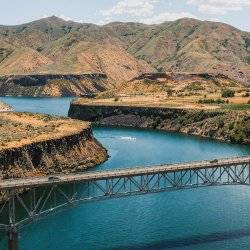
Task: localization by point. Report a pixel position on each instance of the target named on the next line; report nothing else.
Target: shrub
(238, 134)
(161, 70)
(195, 86)
(208, 101)
(170, 92)
(246, 94)
(227, 93)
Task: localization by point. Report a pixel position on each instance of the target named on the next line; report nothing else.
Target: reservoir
(196, 219)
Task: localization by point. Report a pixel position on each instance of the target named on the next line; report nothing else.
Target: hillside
(176, 84)
(54, 85)
(125, 50)
(189, 45)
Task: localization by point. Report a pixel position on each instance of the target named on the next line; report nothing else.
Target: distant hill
(123, 51)
(54, 85)
(178, 84)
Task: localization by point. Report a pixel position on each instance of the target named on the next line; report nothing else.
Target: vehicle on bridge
(214, 161)
(53, 178)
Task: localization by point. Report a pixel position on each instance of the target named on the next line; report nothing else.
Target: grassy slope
(191, 45)
(184, 45)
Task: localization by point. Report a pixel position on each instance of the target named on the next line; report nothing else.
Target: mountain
(123, 51)
(52, 45)
(189, 45)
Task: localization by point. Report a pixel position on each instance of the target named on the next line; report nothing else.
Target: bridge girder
(37, 202)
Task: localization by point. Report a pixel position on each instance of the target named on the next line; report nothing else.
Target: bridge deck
(102, 175)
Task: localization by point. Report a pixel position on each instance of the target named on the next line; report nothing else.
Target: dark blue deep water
(198, 219)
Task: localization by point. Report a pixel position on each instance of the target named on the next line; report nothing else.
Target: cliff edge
(230, 126)
(37, 145)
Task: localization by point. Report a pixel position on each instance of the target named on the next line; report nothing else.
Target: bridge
(29, 199)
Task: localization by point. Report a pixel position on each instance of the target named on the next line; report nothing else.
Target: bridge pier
(13, 238)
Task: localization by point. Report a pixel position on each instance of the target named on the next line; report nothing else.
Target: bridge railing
(94, 175)
(44, 197)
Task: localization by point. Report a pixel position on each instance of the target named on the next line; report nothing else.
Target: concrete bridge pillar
(13, 238)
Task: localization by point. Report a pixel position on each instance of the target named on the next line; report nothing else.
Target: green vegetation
(237, 106)
(195, 86)
(227, 93)
(170, 92)
(240, 131)
(248, 60)
(2, 78)
(247, 41)
(208, 101)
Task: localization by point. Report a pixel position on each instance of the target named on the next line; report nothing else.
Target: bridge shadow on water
(188, 241)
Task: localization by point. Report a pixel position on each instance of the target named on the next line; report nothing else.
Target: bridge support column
(13, 239)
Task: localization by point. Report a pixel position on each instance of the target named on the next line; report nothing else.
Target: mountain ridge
(125, 50)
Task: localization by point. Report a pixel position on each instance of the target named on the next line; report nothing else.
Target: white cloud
(219, 6)
(141, 8)
(167, 16)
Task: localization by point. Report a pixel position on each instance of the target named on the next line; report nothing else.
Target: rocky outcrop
(69, 154)
(181, 76)
(221, 125)
(53, 84)
(5, 107)
(60, 146)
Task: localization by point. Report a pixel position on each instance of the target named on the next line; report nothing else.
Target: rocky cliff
(45, 145)
(222, 125)
(53, 84)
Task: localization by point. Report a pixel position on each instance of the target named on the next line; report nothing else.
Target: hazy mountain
(125, 50)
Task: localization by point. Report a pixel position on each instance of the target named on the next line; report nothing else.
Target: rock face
(53, 84)
(69, 154)
(221, 125)
(52, 149)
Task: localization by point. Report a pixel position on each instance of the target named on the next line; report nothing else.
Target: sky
(234, 12)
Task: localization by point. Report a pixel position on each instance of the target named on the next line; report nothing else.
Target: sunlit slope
(124, 50)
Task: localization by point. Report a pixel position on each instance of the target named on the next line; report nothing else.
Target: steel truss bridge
(29, 199)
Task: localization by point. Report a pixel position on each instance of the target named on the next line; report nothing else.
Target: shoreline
(227, 126)
(5, 107)
(43, 145)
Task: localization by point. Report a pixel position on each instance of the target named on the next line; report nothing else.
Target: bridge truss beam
(20, 209)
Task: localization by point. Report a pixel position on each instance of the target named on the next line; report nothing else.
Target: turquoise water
(52, 106)
(198, 219)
